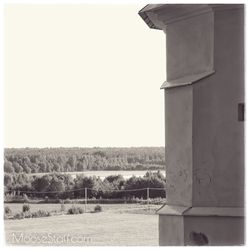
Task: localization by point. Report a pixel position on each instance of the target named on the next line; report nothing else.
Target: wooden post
(148, 197)
(86, 198)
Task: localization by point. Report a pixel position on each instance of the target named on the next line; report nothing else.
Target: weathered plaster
(204, 138)
(178, 131)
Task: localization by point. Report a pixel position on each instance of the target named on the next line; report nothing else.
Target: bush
(98, 208)
(26, 208)
(13, 198)
(7, 210)
(40, 213)
(67, 201)
(28, 215)
(18, 216)
(75, 210)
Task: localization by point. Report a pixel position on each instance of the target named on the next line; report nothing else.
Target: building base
(201, 226)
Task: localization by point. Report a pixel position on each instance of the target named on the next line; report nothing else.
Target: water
(104, 173)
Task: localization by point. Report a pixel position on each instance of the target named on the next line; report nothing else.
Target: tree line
(47, 160)
(63, 186)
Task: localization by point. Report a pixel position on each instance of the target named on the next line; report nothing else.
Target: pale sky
(82, 76)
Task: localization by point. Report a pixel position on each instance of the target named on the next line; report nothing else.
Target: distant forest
(46, 160)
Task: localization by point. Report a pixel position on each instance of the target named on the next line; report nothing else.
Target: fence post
(86, 197)
(148, 196)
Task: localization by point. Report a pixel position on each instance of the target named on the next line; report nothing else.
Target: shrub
(40, 213)
(7, 210)
(18, 216)
(67, 201)
(13, 198)
(75, 210)
(26, 208)
(34, 215)
(28, 215)
(98, 208)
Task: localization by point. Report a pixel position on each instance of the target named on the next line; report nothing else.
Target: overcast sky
(82, 76)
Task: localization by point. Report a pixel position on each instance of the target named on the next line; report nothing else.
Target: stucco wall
(178, 130)
(190, 46)
(218, 142)
(171, 236)
(213, 231)
(204, 138)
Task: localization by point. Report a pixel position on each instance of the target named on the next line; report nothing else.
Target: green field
(117, 225)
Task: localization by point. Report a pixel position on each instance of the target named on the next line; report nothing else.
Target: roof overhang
(158, 16)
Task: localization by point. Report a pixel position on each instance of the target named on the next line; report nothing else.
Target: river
(104, 173)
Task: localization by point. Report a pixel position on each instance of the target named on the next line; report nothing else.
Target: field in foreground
(117, 225)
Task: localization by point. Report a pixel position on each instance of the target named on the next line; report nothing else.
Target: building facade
(204, 122)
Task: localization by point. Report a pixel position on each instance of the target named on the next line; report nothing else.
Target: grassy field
(117, 225)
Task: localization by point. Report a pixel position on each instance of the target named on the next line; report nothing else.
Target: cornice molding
(158, 16)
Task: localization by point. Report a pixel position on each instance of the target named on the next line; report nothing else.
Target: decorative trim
(186, 80)
(157, 16)
(172, 210)
(201, 211)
